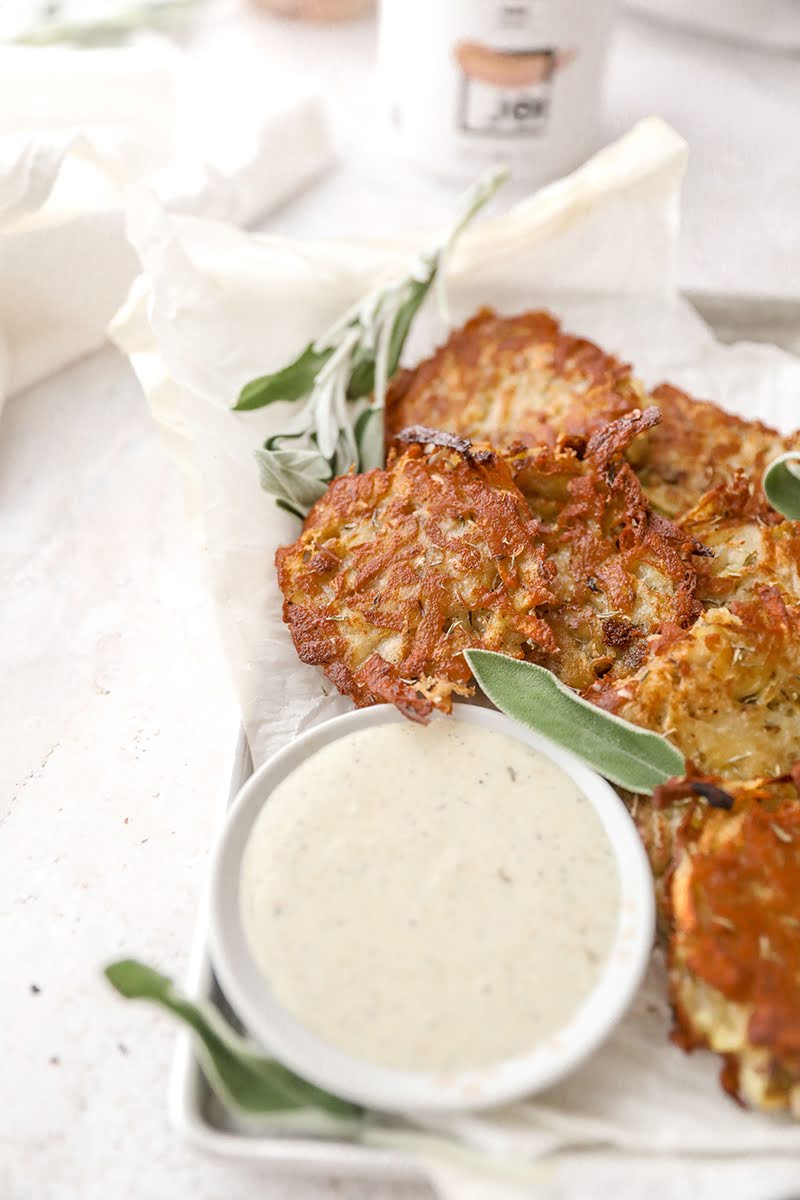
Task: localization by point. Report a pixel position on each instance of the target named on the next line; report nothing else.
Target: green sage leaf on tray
(340, 380)
(246, 1082)
(782, 485)
(631, 757)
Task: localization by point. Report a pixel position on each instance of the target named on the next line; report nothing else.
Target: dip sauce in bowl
(429, 917)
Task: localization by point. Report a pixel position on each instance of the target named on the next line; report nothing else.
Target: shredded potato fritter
(552, 557)
(513, 381)
(400, 570)
(522, 380)
(728, 888)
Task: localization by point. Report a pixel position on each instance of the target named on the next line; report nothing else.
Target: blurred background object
(90, 22)
(529, 78)
(109, 22)
(317, 10)
(466, 84)
(772, 23)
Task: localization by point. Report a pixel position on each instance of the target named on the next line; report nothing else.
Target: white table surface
(116, 713)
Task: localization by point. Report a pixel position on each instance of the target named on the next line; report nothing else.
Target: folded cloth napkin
(207, 134)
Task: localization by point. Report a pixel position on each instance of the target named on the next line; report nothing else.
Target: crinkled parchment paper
(214, 307)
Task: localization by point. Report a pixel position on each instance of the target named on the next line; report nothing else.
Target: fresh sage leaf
(336, 374)
(782, 485)
(298, 477)
(362, 376)
(403, 321)
(633, 758)
(285, 506)
(368, 432)
(246, 1082)
(252, 1086)
(362, 379)
(290, 383)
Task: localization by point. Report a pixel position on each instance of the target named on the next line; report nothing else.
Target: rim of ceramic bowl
(386, 1088)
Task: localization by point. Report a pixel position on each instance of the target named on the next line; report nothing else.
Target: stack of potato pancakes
(537, 501)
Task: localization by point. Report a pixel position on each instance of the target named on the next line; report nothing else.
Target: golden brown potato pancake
(398, 571)
(726, 691)
(523, 380)
(672, 819)
(622, 572)
(513, 380)
(726, 861)
(753, 545)
(734, 951)
(698, 446)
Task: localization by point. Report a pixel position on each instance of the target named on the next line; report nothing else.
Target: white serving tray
(195, 1113)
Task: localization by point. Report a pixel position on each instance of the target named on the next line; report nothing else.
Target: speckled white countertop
(116, 713)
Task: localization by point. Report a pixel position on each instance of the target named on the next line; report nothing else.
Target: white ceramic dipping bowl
(387, 1088)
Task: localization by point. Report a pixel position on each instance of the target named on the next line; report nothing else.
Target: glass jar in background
(469, 83)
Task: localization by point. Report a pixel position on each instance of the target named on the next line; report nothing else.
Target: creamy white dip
(429, 897)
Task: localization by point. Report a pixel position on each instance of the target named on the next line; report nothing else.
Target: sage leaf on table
(246, 1082)
(782, 485)
(631, 757)
(340, 380)
(252, 1086)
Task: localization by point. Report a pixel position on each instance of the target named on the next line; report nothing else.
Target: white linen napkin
(207, 134)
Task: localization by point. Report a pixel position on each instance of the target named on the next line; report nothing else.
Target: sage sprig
(341, 378)
(251, 1086)
(246, 1082)
(782, 485)
(633, 758)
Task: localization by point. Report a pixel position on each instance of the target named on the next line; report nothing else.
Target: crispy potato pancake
(734, 953)
(727, 871)
(726, 691)
(698, 446)
(753, 545)
(398, 571)
(622, 572)
(522, 380)
(672, 819)
(513, 380)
